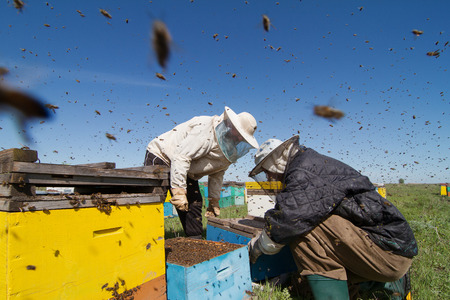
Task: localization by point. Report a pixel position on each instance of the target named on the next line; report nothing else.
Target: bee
(160, 76)
(104, 286)
(434, 53)
(47, 25)
(27, 105)
(19, 5)
(111, 137)
(51, 107)
(417, 32)
(105, 13)
(215, 35)
(161, 41)
(81, 14)
(328, 112)
(97, 112)
(148, 246)
(266, 23)
(3, 71)
(31, 267)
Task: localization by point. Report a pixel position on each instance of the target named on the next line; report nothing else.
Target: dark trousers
(192, 219)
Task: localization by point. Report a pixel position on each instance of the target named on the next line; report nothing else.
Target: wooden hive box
(199, 269)
(103, 241)
(241, 231)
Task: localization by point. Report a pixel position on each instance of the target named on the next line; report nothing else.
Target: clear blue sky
(358, 56)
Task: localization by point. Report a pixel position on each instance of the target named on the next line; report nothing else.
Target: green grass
(428, 214)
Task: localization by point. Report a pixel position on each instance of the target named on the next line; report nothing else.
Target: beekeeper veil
(272, 159)
(235, 134)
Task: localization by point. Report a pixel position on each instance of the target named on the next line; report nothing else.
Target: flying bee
(161, 41)
(19, 5)
(434, 53)
(111, 137)
(160, 76)
(266, 23)
(328, 112)
(417, 32)
(52, 107)
(105, 13)
(27, 106)
(3, 71)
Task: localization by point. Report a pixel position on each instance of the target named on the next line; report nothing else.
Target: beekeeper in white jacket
(204, 145)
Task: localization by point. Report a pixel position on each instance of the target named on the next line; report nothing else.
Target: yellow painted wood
(168, 197)
(382, 191)
(443, 190)
(71, 254)
(263, 185)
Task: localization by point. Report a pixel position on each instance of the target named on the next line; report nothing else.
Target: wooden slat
(148, 172)
(100, 165)
(51, 202)
(73, 180)
(15, 154)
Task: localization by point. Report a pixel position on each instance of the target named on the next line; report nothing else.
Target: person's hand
(253, 249)
(179, 199)
(213, 209)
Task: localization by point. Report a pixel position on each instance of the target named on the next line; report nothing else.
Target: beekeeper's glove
(213, 209)
(179, 199)
(262, 244)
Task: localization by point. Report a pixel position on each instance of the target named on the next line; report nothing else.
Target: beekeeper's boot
(324, 288)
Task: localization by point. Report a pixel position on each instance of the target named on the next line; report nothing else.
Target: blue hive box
(226, 276)
(241, 231)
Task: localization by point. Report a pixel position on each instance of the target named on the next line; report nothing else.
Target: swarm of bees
(161, 42)
(328, 112)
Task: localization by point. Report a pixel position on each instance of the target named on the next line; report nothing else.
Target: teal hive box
(241, 231)
(226, 276)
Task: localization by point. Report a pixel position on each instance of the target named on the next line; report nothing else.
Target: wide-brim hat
(244, 123)
(266, 150)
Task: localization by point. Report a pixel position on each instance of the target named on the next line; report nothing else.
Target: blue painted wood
(224, 277)
(168, 209)
(267, 266)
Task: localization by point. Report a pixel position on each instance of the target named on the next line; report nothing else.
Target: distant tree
(401, 181)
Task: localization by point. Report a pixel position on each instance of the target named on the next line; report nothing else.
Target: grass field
(428, 214)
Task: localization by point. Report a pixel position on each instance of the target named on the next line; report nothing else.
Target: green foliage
(401, 181)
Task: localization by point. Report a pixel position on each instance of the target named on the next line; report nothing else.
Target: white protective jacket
(191, 149)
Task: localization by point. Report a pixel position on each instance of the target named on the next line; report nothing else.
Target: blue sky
(358, 56)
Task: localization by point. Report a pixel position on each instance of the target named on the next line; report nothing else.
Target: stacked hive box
(105, 240)
(232, 193)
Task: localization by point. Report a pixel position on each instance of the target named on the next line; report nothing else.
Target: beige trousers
(338, 249)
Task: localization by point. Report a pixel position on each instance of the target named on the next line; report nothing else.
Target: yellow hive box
(73, 254)
(102, 239)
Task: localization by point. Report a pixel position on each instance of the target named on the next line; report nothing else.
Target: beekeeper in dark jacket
(201, 146)
(336, 224)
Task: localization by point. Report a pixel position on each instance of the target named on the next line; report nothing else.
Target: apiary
(199, 269)
(103, 240)
(232, 193)
(241, 231)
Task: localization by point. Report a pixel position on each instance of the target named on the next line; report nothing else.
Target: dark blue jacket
(317, 186)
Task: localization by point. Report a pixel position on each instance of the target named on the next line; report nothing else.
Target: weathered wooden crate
(105, 239)
(226, 276)
(241, 231)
